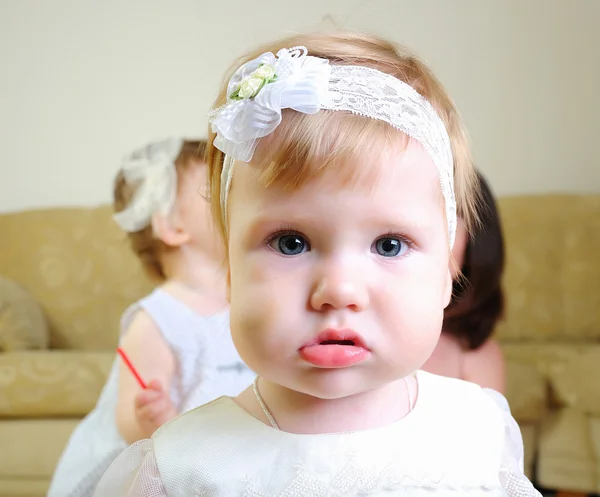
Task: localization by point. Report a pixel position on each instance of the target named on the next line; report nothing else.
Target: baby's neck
(196, 279)
(299, 413)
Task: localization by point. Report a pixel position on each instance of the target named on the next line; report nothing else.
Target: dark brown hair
(478, 299)
(143, 243)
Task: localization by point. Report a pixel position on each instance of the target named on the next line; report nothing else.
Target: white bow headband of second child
(152, 169)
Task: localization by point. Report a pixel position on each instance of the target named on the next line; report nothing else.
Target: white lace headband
(152, 169)
(261, 88)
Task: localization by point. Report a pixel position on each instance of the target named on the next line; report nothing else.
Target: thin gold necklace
(274, 424)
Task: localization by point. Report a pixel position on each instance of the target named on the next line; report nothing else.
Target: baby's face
(337, 290)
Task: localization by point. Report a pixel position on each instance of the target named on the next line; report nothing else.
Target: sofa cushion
(24, 487)
(570, 369)
(40, 384)
(526, 386)
(576, 382)
(595, 436)
(32, 448)
(566, 457)
(22, 322)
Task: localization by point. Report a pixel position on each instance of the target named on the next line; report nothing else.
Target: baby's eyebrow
(276, 214)
(271, 221)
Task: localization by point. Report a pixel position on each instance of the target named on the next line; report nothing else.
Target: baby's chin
(335, 384)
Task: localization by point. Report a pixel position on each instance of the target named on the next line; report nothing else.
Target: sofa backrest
(552, 278)
(78, 265)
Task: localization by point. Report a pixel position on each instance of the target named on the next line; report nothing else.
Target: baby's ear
(169, 230)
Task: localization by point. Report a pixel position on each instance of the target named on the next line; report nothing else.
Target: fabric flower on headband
(250, 86)
(257, 93)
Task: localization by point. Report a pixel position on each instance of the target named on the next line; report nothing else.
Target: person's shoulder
(143, 340)
(490, 349)
(192, 445)
(445, 386)
(137, 320)
(464, 415)
(206, 420)
(486, 366)
(141, 322)
(457, 397)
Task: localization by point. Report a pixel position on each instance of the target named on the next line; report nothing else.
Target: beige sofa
(76, 264)
(74, 276)
(551, 334)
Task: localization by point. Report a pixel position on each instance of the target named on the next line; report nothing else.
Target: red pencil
(131, 367)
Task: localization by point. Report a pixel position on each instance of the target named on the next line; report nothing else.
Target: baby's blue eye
(390, 246)
(290, 244)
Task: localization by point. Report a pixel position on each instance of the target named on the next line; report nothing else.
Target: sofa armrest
(51, 383)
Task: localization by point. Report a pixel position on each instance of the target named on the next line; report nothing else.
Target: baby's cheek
(428, 335)
(419, 317)
(253, 318)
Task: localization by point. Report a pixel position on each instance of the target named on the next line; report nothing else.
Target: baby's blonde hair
(144, 244)
(304, 145)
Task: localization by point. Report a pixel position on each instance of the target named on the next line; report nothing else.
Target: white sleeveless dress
(207, 366)
(458, 440)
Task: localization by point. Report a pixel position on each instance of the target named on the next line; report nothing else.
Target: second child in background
(177, 337)
(465, 349)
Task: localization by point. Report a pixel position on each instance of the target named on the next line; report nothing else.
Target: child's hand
(153, 408)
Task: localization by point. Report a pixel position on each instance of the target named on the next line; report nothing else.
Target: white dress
(458, 440)
(207, 366)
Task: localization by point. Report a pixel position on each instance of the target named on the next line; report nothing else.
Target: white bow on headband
(152, 170)
(257, 93)
(261, 88)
